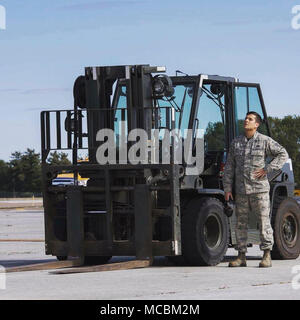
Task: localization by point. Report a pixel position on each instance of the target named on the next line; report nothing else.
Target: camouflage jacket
(245, 156)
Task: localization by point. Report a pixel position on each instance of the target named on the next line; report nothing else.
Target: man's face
(250, 122)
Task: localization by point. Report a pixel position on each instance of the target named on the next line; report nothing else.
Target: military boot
(266, 261)
(240, 261)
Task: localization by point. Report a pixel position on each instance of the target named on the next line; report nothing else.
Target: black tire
(95, 260)
(177, 260)
(276, 203)
(286, 227)
(62, 258)
(205, 232)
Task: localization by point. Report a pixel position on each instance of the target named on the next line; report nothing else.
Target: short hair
(257, 116)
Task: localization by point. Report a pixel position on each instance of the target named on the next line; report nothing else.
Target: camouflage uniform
(252, 194)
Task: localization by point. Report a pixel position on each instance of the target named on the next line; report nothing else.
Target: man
(246, 169)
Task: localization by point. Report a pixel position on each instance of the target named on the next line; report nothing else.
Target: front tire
(286, 226)
(205, 232)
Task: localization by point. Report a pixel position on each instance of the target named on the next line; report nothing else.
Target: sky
(47, 44)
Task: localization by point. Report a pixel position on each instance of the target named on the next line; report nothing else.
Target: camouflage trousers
(258, 204)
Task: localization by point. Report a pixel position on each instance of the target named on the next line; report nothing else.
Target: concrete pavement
(21, 203)
(161, 281)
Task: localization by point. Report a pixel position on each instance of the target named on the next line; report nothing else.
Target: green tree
(286, 131)
(4, 176)
(215, 136)
(25, 171)
(58, 158)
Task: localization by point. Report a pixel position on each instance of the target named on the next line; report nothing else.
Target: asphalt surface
(162, 281)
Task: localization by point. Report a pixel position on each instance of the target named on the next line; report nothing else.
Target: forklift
(154, 208)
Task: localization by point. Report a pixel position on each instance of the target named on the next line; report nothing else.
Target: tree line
(23, 172)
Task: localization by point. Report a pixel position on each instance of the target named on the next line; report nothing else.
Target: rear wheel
(205, 232)
(286, 226)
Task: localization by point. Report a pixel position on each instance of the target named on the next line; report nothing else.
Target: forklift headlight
(158, 87)
(162, 86)
(217, 89)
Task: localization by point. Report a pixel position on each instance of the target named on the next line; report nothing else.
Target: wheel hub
(212, 231)
(289, 229)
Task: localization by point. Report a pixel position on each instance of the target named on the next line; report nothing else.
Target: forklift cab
(214, 106)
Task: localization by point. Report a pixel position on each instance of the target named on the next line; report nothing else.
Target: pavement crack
(261, 284)
(269, 283)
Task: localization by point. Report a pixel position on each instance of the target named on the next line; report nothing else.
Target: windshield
(211, 113)
(181, 102)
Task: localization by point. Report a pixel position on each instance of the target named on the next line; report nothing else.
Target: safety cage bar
(76, 129)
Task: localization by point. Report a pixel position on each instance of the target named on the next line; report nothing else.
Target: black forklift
(154, 208)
